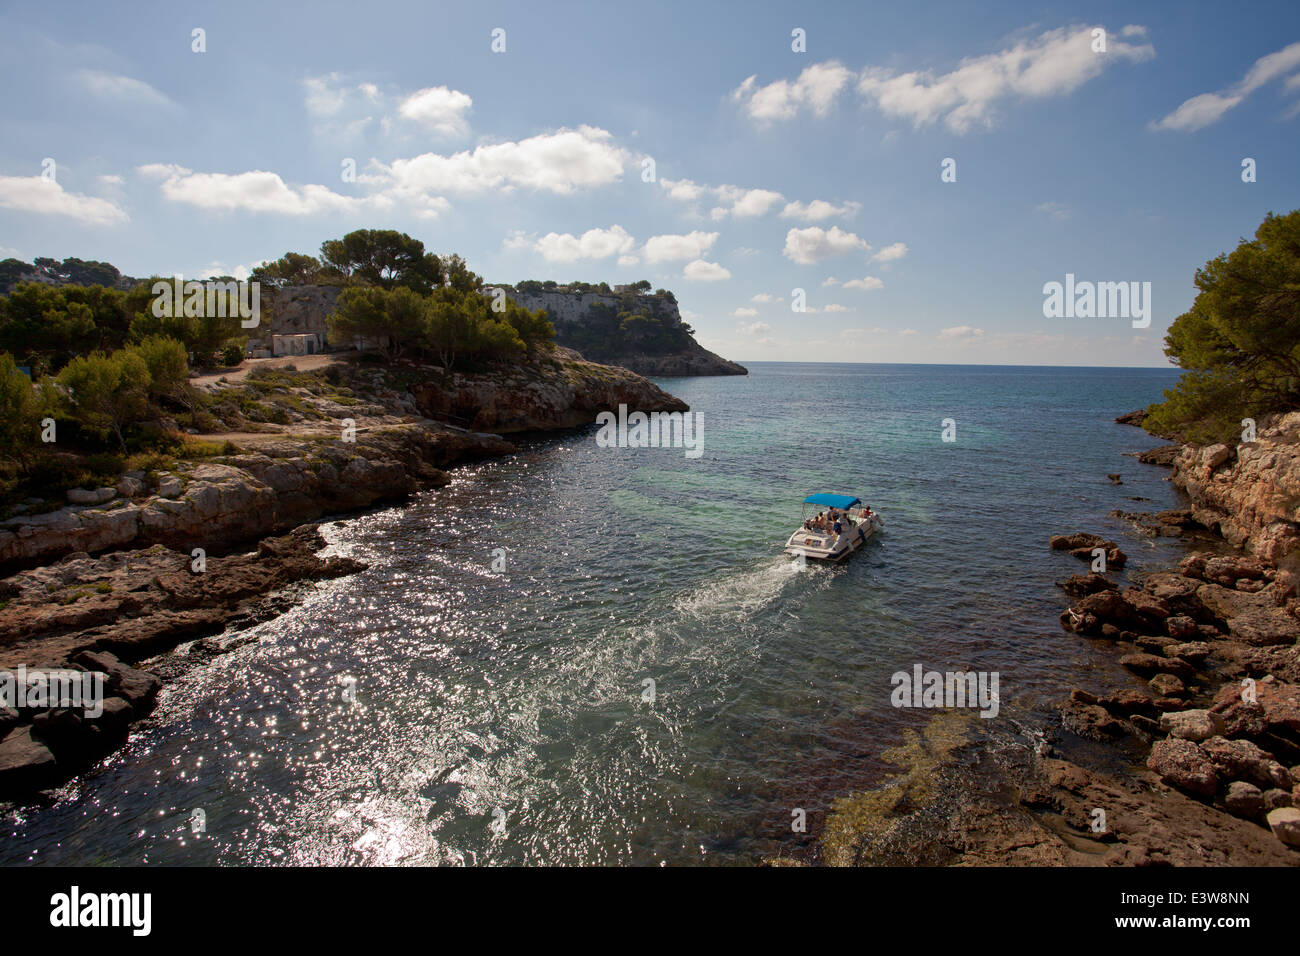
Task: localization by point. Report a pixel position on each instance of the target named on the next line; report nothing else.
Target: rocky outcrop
(241, 497)
(297, 309)
(570, 310)
(695, 361)
(314, 471)
(89, 614)
(560, 391)
(1250, 494)
(1215, 641)
(135, 603)
(1081, 545)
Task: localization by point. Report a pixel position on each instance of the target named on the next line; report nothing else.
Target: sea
(582, 654)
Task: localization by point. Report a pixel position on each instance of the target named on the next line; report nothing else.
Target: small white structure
(304, 343)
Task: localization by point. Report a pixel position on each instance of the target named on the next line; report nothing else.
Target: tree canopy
(454, 325)
(1240, 341)
(383, 257)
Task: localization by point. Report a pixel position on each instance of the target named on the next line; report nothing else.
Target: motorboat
(847, 524)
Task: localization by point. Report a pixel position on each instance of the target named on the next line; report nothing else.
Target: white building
(303, 343)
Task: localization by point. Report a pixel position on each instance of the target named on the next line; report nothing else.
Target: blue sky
(774, 170)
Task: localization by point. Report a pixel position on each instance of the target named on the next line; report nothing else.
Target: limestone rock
(1193, 725)
(1244, 800)
(25, 762)
(80, 496)
(1181, 764)
(1285, 824)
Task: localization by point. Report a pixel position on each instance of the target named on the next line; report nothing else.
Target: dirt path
(303, 363)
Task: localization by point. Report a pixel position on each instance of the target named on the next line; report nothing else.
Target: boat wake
(739, 596)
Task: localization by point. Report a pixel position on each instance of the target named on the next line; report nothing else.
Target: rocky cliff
(575, 313)
(561, 391)
(1249, 493)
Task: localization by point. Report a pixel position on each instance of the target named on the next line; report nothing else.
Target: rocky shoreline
(128, 571)
(1216, 730)
(1193, 762)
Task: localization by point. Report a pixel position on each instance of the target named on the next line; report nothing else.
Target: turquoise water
(499, 714)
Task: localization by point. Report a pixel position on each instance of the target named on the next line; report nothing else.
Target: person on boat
(838, 528)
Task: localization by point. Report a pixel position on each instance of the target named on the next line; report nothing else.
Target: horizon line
(1146, 368)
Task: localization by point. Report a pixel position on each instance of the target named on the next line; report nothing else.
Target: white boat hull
(827, 546)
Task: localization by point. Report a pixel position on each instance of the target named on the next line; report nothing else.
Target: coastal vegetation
(94, 381)
(1240, 341)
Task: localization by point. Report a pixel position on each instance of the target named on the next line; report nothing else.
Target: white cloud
(1053, 64)
(669, 248)
(762, 297)
(628, 261)
(240, 272)
(961, 332)
(810, 245)
(343, 109)
(1207, 108)
(1058, 211)
(908, 332)
(867, 283)
(254, 191)
(815, 90)
(438, 109)
(324, 96)
(755, 328)
(819, 209)
(683, 190)
(46, 197)
(744, 203)
(891, 252)
(745, 312)
(836, 307)
(701, 271)
(830, 281)
(734, 200)
(592, 244)
(123, 89)
(110, 180)
(560, 162)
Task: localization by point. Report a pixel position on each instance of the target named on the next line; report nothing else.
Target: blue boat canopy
(843, 502)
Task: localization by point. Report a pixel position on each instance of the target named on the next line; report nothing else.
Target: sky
(752, 157)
